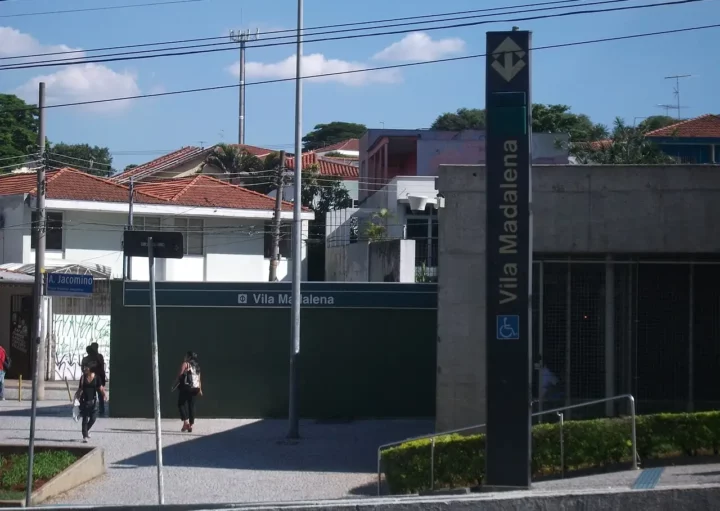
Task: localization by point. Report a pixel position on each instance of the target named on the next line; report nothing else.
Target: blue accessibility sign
(508, 327)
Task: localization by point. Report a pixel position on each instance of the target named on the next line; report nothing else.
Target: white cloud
(85, 82)
(82, 82)
(317, 64)
(15, 43)
(420, 47)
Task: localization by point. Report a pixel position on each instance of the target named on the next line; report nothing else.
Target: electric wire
(370, 69)
(128, 56)
(294, 32)
(102, 8)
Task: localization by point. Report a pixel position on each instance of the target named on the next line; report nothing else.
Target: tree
(324, 135)
(130, 167)
(18, 131)
(559, 119)
(656, 122)
(546, 119)
(627, 146)
(323, 193)
(377, 227)
(463, 119)
(94, 160)
(241, 167)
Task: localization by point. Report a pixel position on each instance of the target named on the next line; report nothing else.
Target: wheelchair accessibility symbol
(508, 328)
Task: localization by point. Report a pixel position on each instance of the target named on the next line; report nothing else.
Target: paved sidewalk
(221, 461)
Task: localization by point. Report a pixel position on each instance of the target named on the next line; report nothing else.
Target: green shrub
(460, 460)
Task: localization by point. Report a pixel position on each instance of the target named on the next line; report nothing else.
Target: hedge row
(460, 460)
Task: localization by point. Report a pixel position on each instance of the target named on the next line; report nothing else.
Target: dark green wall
(354, 363)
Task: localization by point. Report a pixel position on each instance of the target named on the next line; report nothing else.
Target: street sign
(509, 256)
(69, 284)
(166, 244)
(508, 328)
(266, 295)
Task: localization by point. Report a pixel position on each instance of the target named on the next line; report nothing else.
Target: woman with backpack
(189, 387)
(87, 392)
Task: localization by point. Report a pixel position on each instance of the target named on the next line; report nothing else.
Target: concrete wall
(379, 261)
(391, 261)
(347, 263)
(576, 210)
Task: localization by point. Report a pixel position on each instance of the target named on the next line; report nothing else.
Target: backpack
(192, 378)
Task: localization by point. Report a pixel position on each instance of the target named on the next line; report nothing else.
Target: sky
(604, 80)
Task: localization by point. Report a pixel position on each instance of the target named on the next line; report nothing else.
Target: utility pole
(293, 417)
(275, 254)
(676, 91)
(242, 37)
(130, 222)
(38, 381)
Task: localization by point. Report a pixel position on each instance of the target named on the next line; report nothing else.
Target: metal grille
(662, 339)
(644, 327)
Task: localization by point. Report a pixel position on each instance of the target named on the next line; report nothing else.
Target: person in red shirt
(4, 366)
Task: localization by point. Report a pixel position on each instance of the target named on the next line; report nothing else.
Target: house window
(53, 234)
(285, 240)
(191, 229)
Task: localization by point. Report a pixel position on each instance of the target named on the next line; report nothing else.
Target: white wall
(233, 249)
(393, 197)
(16, 219)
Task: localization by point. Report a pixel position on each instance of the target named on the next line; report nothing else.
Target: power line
(378, 68)
(291, 31)
(105, 8)
(141, 54)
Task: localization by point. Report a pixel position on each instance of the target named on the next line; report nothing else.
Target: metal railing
(558, 411)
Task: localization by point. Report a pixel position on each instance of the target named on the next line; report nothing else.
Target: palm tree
(239, 165)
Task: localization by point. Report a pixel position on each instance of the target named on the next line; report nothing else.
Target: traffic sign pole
(509, 258)
(156, 374)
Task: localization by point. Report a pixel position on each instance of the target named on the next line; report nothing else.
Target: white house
(226, 227)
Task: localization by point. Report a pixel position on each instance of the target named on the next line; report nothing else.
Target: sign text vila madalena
(508, 238)
(280, 299)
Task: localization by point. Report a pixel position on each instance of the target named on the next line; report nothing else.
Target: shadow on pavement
(350, 448)
(41, 411)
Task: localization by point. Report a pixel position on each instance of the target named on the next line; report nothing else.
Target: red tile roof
(165, 162)
(260, 152)
(196, 191)
(705, 126)
(70, 184)
(203, 190)
(326, 166)
(351, 144)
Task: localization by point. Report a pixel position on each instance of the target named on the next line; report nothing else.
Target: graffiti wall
(72, 333)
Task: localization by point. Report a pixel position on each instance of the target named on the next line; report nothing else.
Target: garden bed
(589, 445)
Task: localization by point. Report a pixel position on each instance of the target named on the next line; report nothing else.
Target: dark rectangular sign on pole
(509, 258)
(166, 244)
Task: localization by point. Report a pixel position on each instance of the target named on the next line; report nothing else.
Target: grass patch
(48, 464)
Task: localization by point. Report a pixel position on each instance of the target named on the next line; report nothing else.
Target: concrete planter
(89, 465)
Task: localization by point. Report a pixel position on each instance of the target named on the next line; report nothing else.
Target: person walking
(86, 394)
(100, 371)
(4, 366)
(189, 386)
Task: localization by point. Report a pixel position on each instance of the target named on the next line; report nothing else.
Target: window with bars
(191, 229)
(53, 233)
